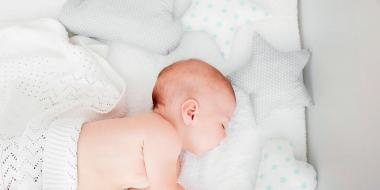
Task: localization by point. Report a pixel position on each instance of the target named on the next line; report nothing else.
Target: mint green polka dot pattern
(279, 170)
(283, 179)
(222, 18)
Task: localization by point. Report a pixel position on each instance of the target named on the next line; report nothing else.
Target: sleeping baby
(192, 105)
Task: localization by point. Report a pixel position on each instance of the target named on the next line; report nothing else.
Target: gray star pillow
(273, 78)
(151, 24)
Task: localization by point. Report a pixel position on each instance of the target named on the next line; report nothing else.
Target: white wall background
(344, 78)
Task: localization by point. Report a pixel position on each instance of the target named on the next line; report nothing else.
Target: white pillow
(23, 10)
(180, 7)
(279, 170)
(234, 163)
(222, 18)
(149, 24)
(273, 78)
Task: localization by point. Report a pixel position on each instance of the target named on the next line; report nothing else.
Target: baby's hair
(186, 75)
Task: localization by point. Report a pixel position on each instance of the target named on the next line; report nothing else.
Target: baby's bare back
(127, 153)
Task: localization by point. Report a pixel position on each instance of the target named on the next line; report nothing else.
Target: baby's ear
(189, 110)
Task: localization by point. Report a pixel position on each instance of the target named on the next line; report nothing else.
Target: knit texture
(149, 24)
(48, 88)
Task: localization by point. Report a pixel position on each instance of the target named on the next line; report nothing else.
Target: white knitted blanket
(48, 88)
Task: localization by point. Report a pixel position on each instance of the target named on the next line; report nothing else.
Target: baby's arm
(161, 151)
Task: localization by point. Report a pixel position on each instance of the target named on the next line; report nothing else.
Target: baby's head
(198, 100)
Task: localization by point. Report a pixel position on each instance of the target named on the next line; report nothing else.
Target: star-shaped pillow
(273, 78)
(222, 18)
(280, 170)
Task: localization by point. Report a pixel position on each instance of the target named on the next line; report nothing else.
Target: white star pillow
(280, 170)
(222, 18)
(273, 78)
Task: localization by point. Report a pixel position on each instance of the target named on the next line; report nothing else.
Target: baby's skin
(193, 103)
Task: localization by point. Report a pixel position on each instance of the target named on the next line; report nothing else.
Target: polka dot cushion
(273, 78)
(279, 170)
(222, 18)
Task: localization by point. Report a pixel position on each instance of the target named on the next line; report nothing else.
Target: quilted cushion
(149, 24)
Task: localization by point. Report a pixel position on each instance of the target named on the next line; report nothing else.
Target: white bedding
(139, 67)
(210, 172)
(281, 31)
(48, 88)
(290, 124)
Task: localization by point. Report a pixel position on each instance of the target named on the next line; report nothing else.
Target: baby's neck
(174, 124)
(162, 114)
